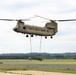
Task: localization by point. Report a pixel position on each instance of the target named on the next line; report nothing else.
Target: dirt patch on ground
(30, 72)
(1, 73)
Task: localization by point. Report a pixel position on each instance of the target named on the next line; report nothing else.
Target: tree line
(38, 56)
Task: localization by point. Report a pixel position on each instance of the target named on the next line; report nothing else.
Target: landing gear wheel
(45, 37)
(31, 35)
(27, 35)
(51, 37)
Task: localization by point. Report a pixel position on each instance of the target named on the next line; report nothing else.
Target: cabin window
(43, 30)
(24, 27)
(30, 28)
(47, 31)
(36, 29)
(18, 26)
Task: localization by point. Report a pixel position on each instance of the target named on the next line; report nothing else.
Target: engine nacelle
(51, 25)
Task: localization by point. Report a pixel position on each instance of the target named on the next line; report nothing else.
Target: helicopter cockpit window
(16, 26)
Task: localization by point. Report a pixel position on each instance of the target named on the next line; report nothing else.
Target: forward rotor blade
(9, 19)
(27, 19)
(15, 19)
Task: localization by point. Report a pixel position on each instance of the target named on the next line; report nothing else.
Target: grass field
(5, 67)
(55, 61)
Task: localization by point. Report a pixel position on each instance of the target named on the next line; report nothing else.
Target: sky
(12, 42)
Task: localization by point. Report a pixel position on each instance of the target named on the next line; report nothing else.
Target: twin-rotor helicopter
(50, 28)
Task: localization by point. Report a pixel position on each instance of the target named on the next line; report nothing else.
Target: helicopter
(50, 28)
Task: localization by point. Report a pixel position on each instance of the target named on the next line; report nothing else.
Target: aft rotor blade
(56, 20)
(66, 20)
(43, 17)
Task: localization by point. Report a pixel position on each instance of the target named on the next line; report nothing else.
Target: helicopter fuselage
(47, 30)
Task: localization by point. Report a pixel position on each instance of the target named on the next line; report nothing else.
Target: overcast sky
(63, 41)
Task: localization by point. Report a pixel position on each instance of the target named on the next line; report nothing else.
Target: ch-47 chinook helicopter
(50, 28)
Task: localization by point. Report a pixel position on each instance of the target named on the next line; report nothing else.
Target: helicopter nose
(15, 29)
